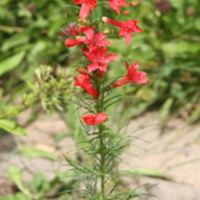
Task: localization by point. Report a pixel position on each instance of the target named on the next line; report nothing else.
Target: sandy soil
(174, 152)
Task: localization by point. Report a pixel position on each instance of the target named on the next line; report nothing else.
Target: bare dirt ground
(174, 152)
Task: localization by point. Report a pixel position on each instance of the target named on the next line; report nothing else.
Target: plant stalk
(99, 108)
(102, 165)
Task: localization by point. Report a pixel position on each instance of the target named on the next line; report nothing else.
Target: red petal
(132, 69)
(100, 118)
(89, 119)
(89, 33)
(128, 37)
(85, 11)
(103, 69)
(99, 38)
(113, 22)
(115, 4)
(78, 1)
(92, 67)
(110, 58)
(101, 52)
(92, 91)
(70, 42)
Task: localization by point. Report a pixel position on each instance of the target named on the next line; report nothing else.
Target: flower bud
(47, 85)
(104, 19)
(108, 31)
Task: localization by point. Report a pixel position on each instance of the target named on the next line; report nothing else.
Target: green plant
(100, 142)
(27, 34)
(167, 50)
(38, 188)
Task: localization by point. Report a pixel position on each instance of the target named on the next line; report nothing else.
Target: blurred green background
(168, 50)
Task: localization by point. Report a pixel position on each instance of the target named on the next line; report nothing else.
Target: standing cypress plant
(99, 142)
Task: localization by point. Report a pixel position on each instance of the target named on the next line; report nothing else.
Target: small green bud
(47, 85)
(63, 81)
(53, 82)
(59, 73)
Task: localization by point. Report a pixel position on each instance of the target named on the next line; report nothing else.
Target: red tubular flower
(91, 119)
(126, 28)
(132, 76)
(93, 39)
(83, 80)
(99, 60)
(87, 6)
(114, 4)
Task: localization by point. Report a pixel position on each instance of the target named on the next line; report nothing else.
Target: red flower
(91, 119)
(83, 80)
(99, 59)
(114, 4)
(127, 27)
(132, 76)
(93, 39)
(87, 6)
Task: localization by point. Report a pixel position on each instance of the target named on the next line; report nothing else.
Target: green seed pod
(59, 73)
(63, 81)
(47, 85)
(53, 81)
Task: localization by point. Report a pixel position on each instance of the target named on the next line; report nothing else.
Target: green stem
(99, 108)
(159, 36)
(102, 165)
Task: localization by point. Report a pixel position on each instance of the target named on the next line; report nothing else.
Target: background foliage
(168, 50)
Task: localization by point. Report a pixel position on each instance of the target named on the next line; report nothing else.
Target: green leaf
(31, 152)
(11, 62)
(8, 197)
(174, 49)
(195, 115)
(15, 175)
(17, 39)
(165, 110)
(12, 127)
(146, 171)
(40, 185)
(60, 136)
(18, 196)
